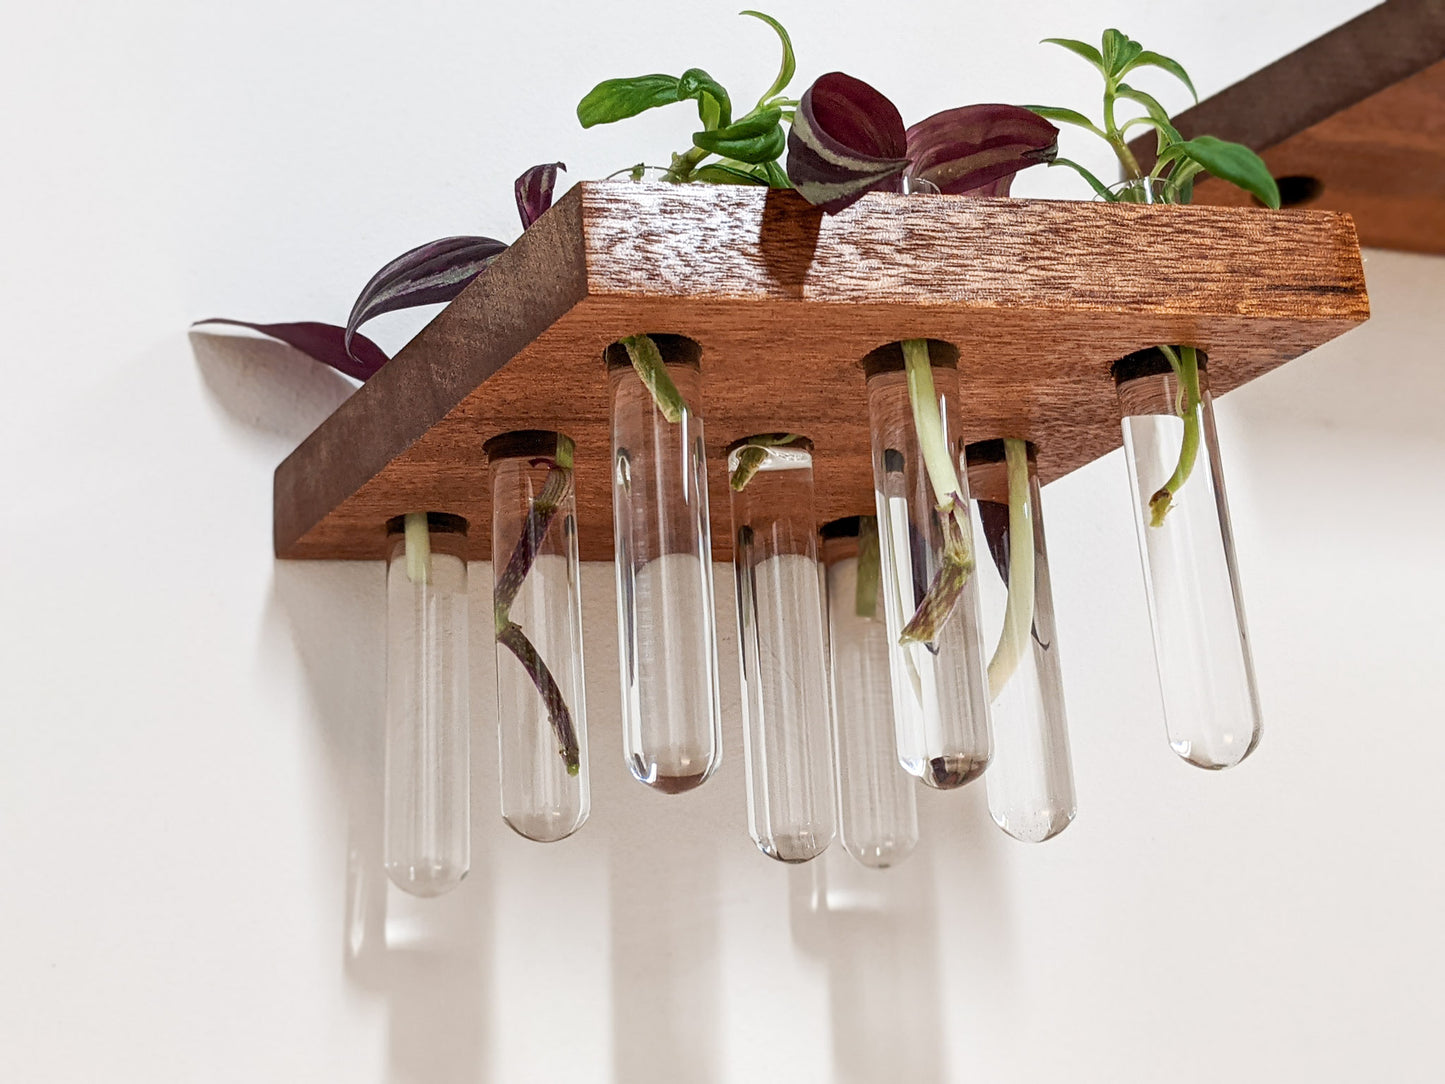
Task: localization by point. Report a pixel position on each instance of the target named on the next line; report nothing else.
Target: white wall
(189, 753)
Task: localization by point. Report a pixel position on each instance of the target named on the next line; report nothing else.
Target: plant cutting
(542, 511)
(1171, 180)
(847, 140)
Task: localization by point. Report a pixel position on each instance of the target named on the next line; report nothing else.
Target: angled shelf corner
(1039, 296)
(1349, 122)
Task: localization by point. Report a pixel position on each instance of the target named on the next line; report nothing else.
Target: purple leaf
(534, 191)
(327, 343)
(847, 139)
(427, 275)
(994, 517)
(975, 150)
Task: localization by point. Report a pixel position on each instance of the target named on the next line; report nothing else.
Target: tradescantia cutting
(1170, 180)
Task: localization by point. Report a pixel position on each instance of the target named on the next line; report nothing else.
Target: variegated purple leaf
(430, 274)
(327, 343)
(847, 139)
(534, 191)
(975, 150)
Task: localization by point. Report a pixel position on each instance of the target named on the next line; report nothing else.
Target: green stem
(647, 361)
(683, 165)
(1116, 138)
(418, 548)
(1019, 611)
(1186, 366)
(870, 571)
(944, 593)
(752, 456)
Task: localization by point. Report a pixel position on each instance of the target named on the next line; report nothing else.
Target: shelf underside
(1039, 296)
(1360, 112)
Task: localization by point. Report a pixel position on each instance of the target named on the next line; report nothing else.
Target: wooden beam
(1350, 122)
(1039, 296)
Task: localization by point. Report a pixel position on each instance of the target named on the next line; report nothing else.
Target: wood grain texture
(1039, 297)
(1362, 110)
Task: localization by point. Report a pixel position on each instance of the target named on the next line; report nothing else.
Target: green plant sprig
(1178, 163)
(1179, 160)
(724, 150)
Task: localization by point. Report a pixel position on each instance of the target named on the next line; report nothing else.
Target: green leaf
(789, 65)
(1149, 59)
(777, 175)
(722, 173)
(1119, 52)
(617, 99)
(1099, 187)
(1236, 164)
(753, 139)
(1078, 48)
(1157, 113)
(1168, 135)
(1064, 116)
(696, 83)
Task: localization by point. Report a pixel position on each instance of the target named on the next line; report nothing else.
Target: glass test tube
(877, 803)
(940, 692)
(537, 609)
(786, 731)
(1201, 644)
(1031, 778)
(667, 642)
(428, 745)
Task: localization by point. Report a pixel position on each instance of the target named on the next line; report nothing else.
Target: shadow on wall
(266, 386)
(429, 959)
(694, 917)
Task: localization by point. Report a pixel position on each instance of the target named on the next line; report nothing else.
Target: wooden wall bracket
(1354, 121)
(1039, 296)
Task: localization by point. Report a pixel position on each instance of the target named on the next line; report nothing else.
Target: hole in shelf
(1297, 189)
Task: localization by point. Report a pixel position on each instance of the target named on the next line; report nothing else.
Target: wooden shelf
(1039, 296)
(1360, 112)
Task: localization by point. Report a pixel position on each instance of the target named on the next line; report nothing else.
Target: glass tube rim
(675, 350)
(524, 444)
(888, 358)
(436, 523)
(1150, 361)
(985, 452)
(799, 443)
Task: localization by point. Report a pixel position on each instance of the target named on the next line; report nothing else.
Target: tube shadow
(429, 959)
(877, 933)
(663, 883)
(880, 935)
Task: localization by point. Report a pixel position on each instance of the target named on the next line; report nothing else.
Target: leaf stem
(647, 361)
(956, 564)
(418, 548)
(1186, 368)
(1019, 610)
(752, 456)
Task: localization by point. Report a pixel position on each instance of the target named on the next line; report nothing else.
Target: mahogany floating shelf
(1354, 121)
(1039, 296)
